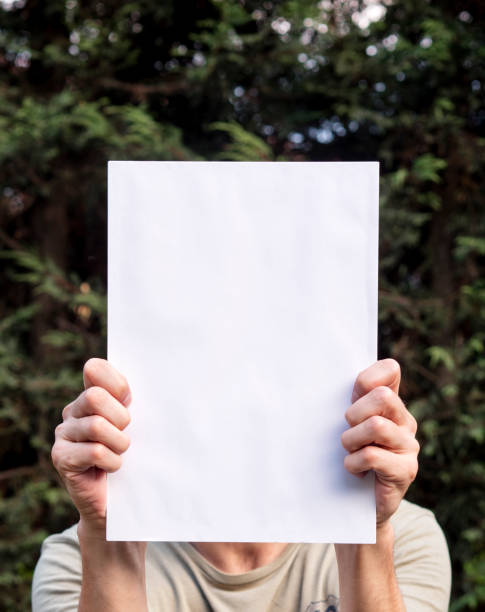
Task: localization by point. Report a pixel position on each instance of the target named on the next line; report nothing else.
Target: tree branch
(141, 91)
(16, 472)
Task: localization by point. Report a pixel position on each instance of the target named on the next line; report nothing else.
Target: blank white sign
(242, 304)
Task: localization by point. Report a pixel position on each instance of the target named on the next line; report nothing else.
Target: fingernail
(127, 399)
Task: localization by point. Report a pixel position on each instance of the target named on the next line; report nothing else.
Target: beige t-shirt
(303, 578)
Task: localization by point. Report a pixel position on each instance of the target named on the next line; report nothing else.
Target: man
(407, 569)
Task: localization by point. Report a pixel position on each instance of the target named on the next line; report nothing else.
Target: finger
(69, 457)
(94, 428)
(382, 432)
(100, 373)
(381, 401)
(386, 464)
(386, 372)
(97, 400)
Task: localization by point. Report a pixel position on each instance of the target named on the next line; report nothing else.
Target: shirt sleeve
(56, 586)
(421, 560)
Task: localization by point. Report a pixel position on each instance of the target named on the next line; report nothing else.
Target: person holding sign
(407, 569)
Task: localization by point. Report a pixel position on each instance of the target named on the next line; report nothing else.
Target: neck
(239, 557)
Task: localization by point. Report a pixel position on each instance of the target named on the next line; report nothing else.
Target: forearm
(113, 576)
(366, 575)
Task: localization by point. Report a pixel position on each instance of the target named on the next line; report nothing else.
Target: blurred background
(399, 81)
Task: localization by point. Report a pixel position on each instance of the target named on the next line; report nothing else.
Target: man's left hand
(381, 436)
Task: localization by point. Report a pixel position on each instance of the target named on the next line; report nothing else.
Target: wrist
(89, 531)
(113, 573)
(96, 551)
(384, 544)
(385, 534)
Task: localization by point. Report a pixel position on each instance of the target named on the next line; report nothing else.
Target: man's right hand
(90, 441)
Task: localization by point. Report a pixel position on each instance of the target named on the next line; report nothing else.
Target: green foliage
(475, 576)
(34, 389)
(426, 167)
(84, 82)
(243, 146)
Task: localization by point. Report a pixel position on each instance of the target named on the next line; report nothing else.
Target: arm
(381, 438)
(89, 443)
(366, 575)
(113, 576)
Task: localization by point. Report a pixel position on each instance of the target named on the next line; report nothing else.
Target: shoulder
(57, 581)
(417, 528)
(57, 578)
(408, 512)
(421, 559)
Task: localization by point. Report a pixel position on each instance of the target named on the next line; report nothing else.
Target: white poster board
(242, 304)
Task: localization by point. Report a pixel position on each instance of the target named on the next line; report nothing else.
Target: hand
(381, 436)
(90, 440)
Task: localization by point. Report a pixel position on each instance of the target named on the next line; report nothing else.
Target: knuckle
(114, 463)
(382, 395)
(376, 424)
(94, 396)
(97, 452)
(58, 431)
(95, 427)
(369, 455)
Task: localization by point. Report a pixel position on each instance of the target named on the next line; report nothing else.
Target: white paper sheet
(242, 304)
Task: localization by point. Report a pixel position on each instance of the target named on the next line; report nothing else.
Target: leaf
(244, 146)
(439, 355)
(427, 168)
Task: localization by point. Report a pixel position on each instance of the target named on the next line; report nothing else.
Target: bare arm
(113, 575)
(89, 443)
(381, 438)
(366, 576)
